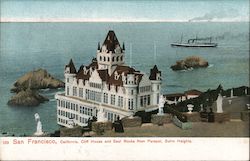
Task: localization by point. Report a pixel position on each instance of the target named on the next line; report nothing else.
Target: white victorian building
(106, 84)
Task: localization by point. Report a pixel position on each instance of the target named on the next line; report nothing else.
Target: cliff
(190, 62)
(38, 79)
(27, 97)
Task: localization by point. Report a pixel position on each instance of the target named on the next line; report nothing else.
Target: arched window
(100, 58)
(108, 59)
(113, 59)
(117, 58)
(121, 58)
(104, 58)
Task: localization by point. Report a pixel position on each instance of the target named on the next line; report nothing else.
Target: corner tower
(69, 74)
(155, 78)
(110, 54)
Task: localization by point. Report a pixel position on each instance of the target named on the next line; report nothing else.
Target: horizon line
(48, 20)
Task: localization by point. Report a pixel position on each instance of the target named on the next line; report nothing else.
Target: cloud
(218, 15)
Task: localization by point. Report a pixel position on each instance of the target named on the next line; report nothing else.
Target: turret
(110, 54)
(98, 48)
(131, 90)
(69, 74)
(155, 78)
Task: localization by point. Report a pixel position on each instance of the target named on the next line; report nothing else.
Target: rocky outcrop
(190, 62)
(27, 97)
(38, 79)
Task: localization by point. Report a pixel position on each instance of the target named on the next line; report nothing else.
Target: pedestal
(193, 117)
(221, 117)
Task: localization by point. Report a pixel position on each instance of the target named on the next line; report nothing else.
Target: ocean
(28, 46)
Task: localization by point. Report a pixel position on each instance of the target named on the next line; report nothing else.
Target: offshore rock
(190, 62)
(38, 79)
(27, 97)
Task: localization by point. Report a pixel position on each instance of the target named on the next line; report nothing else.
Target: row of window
(111, 116)
(118, 58)
(67, 105)
(144, 100)
(88, 111)
(83, 120)
(93, 95)
(95, 85)
(113, 99)
(63, 121)
(145, 89)
(67, 114)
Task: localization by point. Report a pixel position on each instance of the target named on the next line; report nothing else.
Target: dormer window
(116, 76)
(85, 70)
(104, 48)
(117, 49)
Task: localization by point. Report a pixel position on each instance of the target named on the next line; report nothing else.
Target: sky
(124, 10)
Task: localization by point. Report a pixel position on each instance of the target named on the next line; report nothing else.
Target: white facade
(108, 84)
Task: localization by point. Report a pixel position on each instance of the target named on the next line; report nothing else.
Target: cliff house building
(107, 84)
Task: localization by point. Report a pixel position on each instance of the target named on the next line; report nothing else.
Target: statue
(219, 104)
(162, 101)
(201, 105)
(232, 93)
(39, 130)
(101, 115)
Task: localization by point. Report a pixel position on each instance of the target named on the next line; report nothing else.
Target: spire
(71, 66)
(98, 48)
(123, 46)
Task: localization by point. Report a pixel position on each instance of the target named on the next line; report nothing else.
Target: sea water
(28, 46)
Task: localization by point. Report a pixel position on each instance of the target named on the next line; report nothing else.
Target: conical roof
(111, 41)
(71, 66)
(153, 73)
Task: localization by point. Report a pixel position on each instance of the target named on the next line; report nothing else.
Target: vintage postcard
(124, 80)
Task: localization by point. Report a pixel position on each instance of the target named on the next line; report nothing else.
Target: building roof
(104, 75)
(71, 66)
(174, 95)
(93, 64)
(153, 73)
(193, 92)
(126, 70)
(111, 41)
(82, 75)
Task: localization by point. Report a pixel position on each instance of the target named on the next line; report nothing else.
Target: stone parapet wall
(161, 119)
(131, 122)
(100, 127)
(70, 132)
(244, 115)
(221, 117)
(193, 117)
